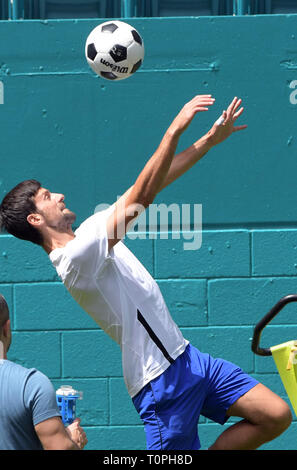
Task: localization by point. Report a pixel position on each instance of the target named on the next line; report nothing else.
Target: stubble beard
(68, 219)
(65, 222)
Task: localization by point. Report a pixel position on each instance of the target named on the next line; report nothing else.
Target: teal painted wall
(89, 138)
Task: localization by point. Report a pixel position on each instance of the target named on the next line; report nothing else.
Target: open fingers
(229, 117)
(202, 99)
(238, 113)
(233, 112)
(231, 106)
(237, 104)
(199, 103)
(197, 97)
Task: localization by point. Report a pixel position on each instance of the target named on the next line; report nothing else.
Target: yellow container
(285, 358)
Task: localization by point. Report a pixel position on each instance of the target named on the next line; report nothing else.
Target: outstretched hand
(198, 104)
(224, 126)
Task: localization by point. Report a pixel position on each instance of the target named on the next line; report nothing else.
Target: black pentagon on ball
(136, 66)
(136, 36)
(108, 75)
(91, 51)
(118, 53)
(109, 28)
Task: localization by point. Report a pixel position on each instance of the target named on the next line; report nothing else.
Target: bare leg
(265, 414)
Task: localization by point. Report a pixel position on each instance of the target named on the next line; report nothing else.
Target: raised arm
(183, 161)
(219, 132)
(151, 179)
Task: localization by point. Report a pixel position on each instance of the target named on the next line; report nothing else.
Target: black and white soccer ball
(114, 50)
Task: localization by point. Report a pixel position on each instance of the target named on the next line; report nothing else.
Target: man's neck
(58, 240)
(3, 354)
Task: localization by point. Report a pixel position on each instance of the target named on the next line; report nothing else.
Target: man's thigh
(227, 383)
(258, 405)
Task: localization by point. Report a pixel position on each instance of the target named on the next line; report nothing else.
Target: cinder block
(21, 261)
(186, 301)
(90, 354)
(53, 308)
(230, 343)
(40, 350)
(246, 301)
(93, 409)
(122, 410)
(115, 438)
(274, 252)
(222, 254)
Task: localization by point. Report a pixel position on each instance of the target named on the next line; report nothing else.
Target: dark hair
(4, 311)
(15, 208)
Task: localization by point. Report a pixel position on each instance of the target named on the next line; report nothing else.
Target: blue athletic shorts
(195, 384)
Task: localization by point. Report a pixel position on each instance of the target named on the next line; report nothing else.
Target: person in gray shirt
(29, 415)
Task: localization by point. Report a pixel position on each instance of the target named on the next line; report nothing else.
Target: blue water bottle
(66, 398)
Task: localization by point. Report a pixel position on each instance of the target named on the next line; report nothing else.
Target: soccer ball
(114, 50)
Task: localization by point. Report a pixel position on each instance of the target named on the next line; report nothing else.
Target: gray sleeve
(40, 397)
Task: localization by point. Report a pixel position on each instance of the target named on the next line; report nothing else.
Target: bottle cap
(67, 390)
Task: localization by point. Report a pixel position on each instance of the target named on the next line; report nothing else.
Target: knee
(278, 419)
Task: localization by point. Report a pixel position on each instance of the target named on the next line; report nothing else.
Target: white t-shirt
(124, 300)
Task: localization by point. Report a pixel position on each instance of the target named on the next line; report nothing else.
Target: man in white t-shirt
(170, 382)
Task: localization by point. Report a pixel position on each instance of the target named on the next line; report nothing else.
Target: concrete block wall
(59, 124)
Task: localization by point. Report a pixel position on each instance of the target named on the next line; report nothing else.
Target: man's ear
(6, 328)
(35, 219)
